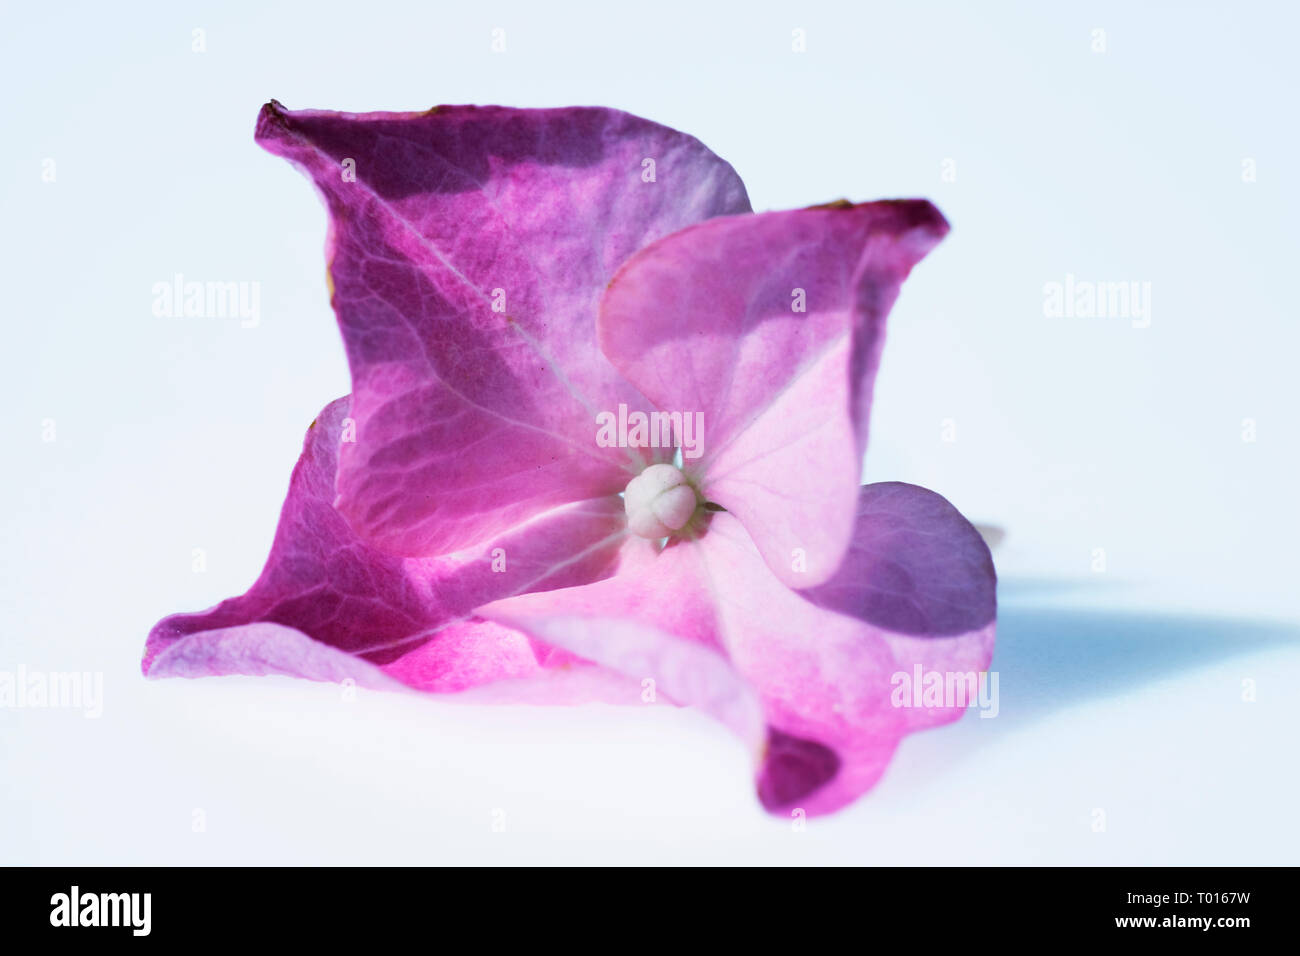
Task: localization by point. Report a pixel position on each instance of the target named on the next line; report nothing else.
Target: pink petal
(917, 591)
(823, 677)
(467, 259)
(705, 321)
(824, 673)
(326, 604)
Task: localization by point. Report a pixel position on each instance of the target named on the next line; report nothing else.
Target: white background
(1121, 691)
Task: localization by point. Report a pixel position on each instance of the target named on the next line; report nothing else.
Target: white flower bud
(659, 501)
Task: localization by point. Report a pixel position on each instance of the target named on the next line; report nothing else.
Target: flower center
(659, 501)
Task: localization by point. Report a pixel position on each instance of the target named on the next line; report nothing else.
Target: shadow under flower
(1049, 658)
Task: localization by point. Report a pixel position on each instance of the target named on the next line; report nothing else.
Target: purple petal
(467, 257)
(771, 326)
(915, 566)
(326, 604)
(793, 768)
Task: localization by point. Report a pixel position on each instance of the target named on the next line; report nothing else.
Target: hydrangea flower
(604, 443)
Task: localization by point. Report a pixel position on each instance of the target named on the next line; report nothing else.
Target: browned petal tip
(835, 204)
(271, 120)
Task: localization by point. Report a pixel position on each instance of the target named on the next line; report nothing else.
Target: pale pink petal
(260, 649)
(653, 623)
(771, 326)
(500, 677)
(468, 250)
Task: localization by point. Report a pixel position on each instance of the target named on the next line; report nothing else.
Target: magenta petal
(468, 250)
(325, 604)
(771, 326)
